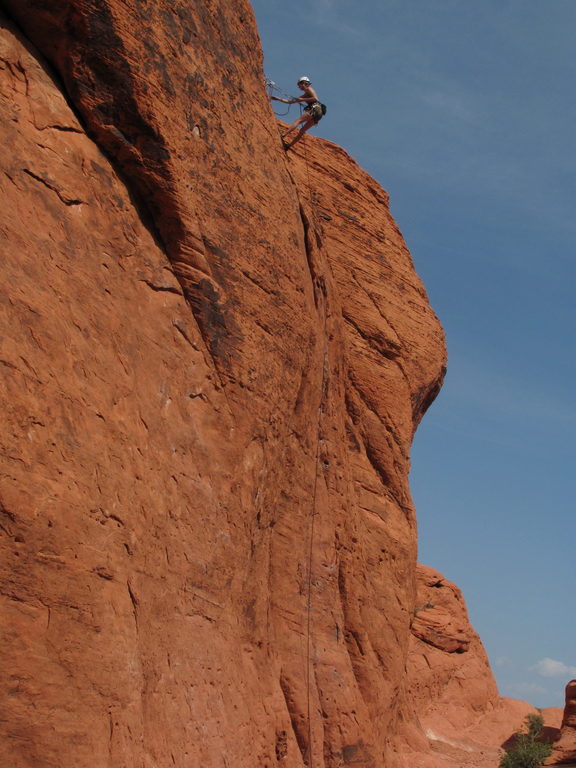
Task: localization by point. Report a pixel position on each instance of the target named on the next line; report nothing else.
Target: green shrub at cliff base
(527, 751)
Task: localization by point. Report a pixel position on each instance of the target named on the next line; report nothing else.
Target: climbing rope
(309, 595)
(311, 195)
(273, 90)
(312, 230)
(311, 556)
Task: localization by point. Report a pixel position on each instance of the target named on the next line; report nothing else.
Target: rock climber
(313, 111)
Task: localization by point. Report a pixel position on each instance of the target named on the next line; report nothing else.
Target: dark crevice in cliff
(362, 439)
(63, 128)
(160, 288)
(67, 86)
(98, 89)
(52, 187)
(354, 646)
(378, 342)
(5, 513)
(297, 720)
(390, 485)
(317, 280)
(135, 602)
(375, 461)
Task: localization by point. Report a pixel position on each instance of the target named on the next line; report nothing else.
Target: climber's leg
(305, 127)
(302, 118)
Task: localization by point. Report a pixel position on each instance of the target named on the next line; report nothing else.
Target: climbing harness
(316, 110)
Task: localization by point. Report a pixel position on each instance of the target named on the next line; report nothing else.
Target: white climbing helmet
(304, 80)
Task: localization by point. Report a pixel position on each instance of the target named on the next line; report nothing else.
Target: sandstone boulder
(462, 719)
(449, 674)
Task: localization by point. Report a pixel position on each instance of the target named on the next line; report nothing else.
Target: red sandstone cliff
(214, 358)
(212, 370)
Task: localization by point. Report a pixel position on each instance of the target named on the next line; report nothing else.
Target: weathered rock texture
(450, 678)
(460, 720)
(214, 358)
(564, 752)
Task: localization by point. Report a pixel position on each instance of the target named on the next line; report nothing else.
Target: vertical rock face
(564, 752)
(213, 361)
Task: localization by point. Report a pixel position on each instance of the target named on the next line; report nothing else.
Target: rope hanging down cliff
(319, 290)
(308, 118)
(313, 513)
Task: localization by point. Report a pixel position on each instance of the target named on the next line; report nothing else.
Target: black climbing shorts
(315, 111)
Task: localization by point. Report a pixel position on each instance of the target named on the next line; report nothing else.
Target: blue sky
(466, 114)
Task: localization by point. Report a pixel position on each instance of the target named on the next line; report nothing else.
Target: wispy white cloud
(552, 668)
(526, 689)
